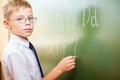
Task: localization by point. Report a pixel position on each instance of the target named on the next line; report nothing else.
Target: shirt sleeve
(15, 67)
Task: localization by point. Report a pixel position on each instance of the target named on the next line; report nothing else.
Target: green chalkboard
(87, 29)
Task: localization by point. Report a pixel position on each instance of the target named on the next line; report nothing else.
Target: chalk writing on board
(93, 19)
(67, 23)
(74, 37)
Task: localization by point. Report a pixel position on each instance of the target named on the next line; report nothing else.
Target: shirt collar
(19, 40)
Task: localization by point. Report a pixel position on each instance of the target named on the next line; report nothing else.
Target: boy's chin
(26, 36)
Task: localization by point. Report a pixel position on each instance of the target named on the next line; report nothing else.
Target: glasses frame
(24, 20)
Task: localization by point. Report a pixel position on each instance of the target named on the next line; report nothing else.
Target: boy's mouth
(28, 29)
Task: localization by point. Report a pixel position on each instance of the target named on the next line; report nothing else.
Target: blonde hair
(14, 5)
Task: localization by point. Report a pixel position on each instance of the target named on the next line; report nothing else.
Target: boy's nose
(27, 20)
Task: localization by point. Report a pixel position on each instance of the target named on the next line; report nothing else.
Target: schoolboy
(19, 61)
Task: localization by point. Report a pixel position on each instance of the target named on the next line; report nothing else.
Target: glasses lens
(32, 19)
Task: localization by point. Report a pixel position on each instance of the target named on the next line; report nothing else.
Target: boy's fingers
(70, 57)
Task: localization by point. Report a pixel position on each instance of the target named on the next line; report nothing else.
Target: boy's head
(18, 18)
(14, 5)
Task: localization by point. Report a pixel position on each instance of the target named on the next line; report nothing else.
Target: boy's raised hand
(66, 64)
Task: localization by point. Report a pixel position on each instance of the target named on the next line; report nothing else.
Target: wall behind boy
(3, 31)
(3, 36)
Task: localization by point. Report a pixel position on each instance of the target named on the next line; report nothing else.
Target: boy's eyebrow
(24, 16)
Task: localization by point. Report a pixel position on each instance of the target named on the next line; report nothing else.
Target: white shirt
(18, 61)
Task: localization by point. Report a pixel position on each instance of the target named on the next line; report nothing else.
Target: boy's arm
(66, 64)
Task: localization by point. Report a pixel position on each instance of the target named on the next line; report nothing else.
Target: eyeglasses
(23, 20)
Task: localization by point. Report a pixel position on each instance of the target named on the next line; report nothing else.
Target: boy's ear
(6, 24)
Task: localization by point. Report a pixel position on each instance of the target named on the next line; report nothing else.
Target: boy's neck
(21, 37)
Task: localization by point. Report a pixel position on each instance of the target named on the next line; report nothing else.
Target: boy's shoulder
(11, 47)
(15, 46)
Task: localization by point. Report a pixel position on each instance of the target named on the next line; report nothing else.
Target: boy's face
(21, 22)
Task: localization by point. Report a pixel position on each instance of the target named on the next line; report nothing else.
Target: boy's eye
(19, 19)
(30, 18)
